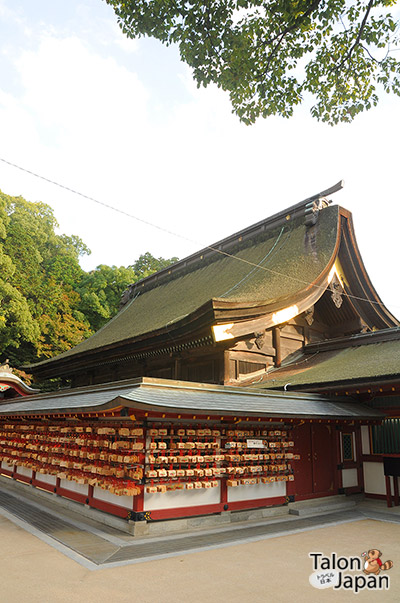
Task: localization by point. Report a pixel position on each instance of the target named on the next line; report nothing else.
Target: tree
(48, 303)
(147, 264)
(16, 321)
(41, 270)
(269, 55)
(101, 289)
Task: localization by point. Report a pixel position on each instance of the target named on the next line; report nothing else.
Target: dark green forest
(48, 303)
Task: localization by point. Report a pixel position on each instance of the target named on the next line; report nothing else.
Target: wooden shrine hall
(181, 406)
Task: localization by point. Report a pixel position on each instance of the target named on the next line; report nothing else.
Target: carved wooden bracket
(260, 339)
(309, 315)
(337, 291)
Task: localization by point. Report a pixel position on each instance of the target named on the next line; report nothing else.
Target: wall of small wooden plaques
(107, 455)
(195, 457)
(125, 457)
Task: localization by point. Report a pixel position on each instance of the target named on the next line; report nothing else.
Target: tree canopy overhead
(270, 54)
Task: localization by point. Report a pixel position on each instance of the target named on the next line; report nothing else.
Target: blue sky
(122, 121)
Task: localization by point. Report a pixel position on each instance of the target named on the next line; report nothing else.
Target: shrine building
(260, 371)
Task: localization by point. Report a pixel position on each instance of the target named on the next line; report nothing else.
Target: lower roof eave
(327, 411)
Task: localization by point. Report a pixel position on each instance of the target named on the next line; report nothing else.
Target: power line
(170, 232)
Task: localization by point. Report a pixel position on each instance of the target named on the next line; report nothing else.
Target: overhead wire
(180, 236)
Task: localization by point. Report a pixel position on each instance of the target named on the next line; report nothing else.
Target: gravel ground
(276, 569)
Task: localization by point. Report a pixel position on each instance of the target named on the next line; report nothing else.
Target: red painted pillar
(138, 501)
(360, 468)
(339, 474)
(224, 491)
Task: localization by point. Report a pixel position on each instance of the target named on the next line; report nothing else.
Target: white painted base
(74, 486)
(181, 498)
(25, 471)
(5, 465)
(46, 479)
(257, 491)
(106, 496)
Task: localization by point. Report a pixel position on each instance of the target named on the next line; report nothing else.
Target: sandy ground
(275, 569)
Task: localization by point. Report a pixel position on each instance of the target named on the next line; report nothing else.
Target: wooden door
(303, 479)
(322, 458)
(314, 472)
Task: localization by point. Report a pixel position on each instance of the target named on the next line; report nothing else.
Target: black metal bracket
(138, 516)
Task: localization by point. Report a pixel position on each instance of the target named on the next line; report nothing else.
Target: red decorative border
(240, 505)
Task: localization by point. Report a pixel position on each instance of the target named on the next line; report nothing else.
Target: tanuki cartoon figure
(373, 563)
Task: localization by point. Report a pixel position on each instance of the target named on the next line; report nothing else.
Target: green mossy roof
(294, 255)
(351, 364)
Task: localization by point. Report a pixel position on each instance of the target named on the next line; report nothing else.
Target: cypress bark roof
(242, 280)
(372, 357)
(177, 396)
(288, 259)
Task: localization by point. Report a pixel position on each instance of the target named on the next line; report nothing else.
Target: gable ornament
(309, 315)
(337, 291)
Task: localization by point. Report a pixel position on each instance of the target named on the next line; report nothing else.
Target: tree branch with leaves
(271, 55)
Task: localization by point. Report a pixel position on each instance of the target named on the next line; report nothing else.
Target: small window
(348, 451)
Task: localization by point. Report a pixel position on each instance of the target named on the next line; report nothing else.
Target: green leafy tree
(101, 290)
(48, 303)
(44, 271)
(16, 321)
(147, 264)
(270, 54)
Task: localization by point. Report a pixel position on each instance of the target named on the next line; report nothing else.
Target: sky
(122, 121)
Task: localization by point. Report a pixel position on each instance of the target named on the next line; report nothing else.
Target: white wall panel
(74, 486)
(24, 471)
(365, 444)
(47, 479)
(374, 478)
(256, 491)
(350, 478)
(181, 498)
(106, 496)
(6, 466)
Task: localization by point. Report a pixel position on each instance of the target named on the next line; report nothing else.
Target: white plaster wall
(6, 466)
(106, 496)
(24, 471)
(374, 478)
(181, 498)
(365, 444)
(256, 491)
(74, 486)
(350, 478)
(47, 479)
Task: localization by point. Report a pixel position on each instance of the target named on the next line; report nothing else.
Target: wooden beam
(276, 335)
